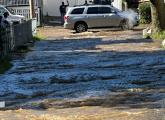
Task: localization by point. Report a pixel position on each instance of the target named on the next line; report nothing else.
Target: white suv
(81, 18)
(11, 18)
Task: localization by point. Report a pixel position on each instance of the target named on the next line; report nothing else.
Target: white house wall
(51, 7)
(117, 4)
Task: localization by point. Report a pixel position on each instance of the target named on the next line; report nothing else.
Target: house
(51, 7)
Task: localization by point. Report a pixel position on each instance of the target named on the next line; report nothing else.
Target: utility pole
(32, 11)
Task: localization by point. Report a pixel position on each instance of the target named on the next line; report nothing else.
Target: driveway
(98, 75)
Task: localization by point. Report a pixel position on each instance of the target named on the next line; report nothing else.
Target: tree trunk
(161, 8)
(155, 19)
(158, 17)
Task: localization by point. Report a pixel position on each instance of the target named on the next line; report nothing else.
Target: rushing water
(76, 69)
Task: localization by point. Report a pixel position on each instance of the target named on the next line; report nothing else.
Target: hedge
(145, 12)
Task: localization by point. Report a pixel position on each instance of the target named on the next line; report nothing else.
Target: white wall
(117, 4)
(51, 7)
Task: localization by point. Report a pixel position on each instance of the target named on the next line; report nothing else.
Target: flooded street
(108, 72)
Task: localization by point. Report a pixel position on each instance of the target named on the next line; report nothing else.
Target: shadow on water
(88, 43)
(107, 29)
(121, 100)
(59, 70)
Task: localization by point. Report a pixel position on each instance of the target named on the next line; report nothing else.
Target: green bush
(145, 12)
(38, 37)
(159, 35)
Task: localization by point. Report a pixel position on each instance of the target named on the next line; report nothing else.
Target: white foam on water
(2, 104)
(131, 16)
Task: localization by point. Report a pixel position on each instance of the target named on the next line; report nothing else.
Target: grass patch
(159, 35)
(38, 37)
(5, 65)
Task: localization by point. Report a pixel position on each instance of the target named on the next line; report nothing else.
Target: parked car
(14, 19)
(81, 18)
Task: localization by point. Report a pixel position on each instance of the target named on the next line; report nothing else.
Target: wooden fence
(21, 10)
(6, 42)
(22, 33)
(25, 11)
(13, 37)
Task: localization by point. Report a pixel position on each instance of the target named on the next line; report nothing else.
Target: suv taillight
(66, 18)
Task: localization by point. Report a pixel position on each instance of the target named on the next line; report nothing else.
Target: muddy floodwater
(70, 73)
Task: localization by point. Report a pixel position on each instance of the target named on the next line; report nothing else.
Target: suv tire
(124, 24)
(81, 27)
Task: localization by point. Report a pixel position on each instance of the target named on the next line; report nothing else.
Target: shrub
(145, 12)
(38, 37)
(159, 35)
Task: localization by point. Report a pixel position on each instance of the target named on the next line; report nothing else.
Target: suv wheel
(80, 27)
(124, 24)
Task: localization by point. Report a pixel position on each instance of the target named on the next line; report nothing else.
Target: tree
(158, 15)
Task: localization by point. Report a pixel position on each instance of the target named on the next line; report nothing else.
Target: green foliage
(38, 37)
(159, 35)
(5, 65)
(145, 12)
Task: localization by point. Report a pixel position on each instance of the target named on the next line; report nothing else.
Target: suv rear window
(78, 11)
